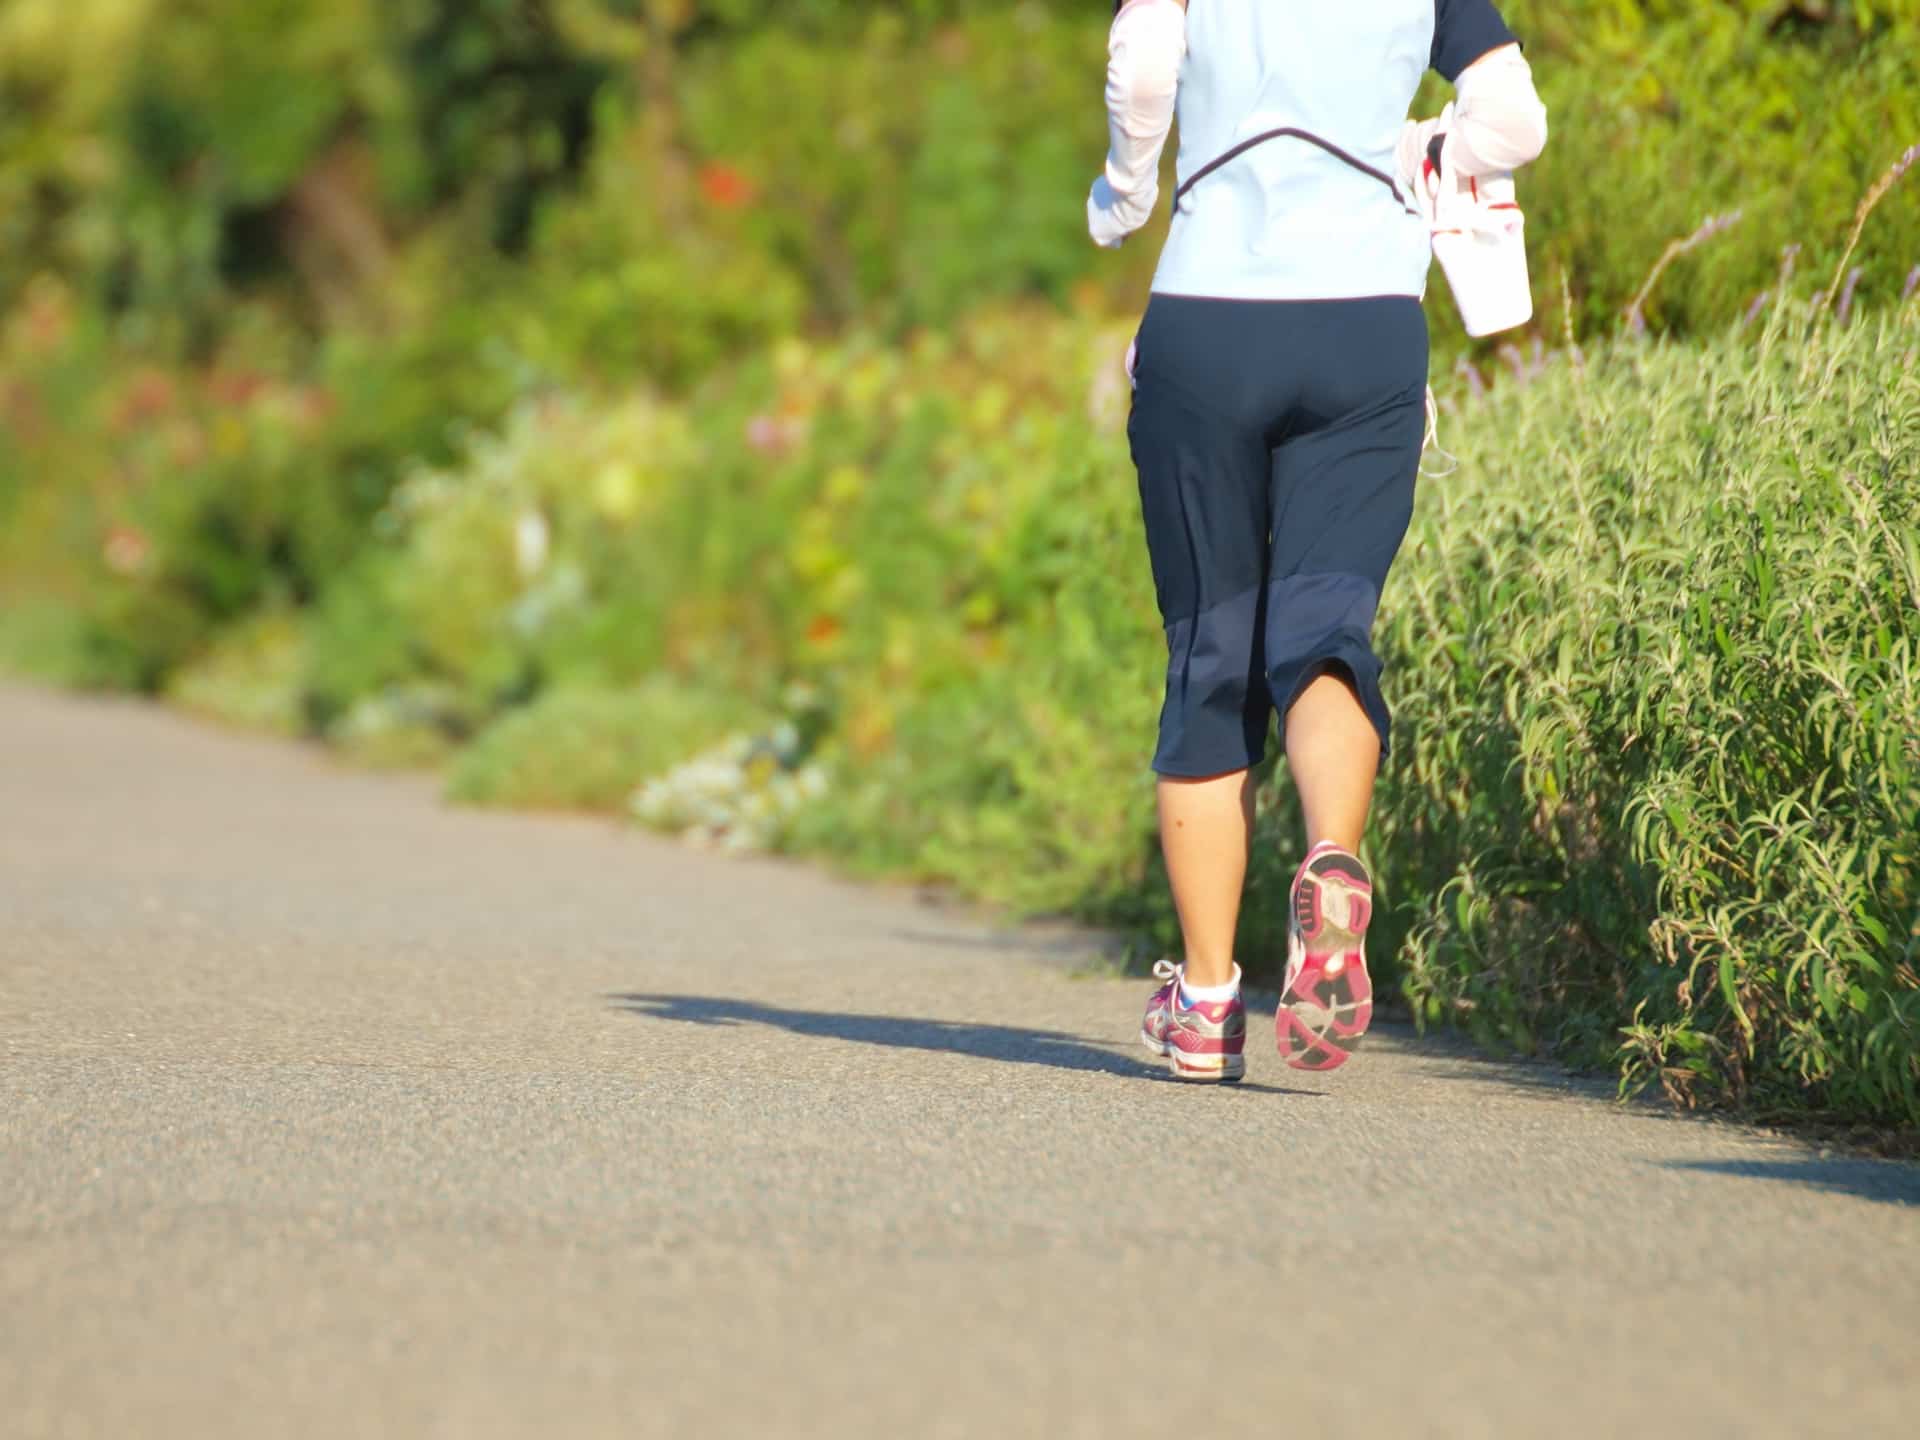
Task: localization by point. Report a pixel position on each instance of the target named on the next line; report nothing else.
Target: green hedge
(582, 749)
(1657, 653)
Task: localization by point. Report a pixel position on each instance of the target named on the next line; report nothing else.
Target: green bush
(1665, 112)
(1656, 650)
(588, 749)
(249, 676)
(359, 643)
(928, 175)
(487, 570)
(163, 503)
(610, 291)
(44, 640)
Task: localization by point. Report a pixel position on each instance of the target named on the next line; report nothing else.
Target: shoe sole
(1328, 1003)
(1228, 1070)
(1231, 1070)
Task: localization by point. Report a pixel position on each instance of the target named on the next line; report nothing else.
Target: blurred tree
(62, 68)
(904, 160)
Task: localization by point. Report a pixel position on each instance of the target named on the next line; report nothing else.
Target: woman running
(1278, 416)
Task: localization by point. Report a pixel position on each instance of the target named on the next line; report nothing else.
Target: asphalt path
(327, 1109)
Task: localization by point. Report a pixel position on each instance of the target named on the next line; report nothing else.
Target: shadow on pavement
(1448, 1058)
(1009, 1043)
(1887, 1181)
(1052, 944)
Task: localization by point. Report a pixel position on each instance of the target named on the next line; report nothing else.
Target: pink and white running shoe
(1327, 1001)
(1202, 1040)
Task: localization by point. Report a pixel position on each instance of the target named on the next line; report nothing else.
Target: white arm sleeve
(1498, 120)
(1144, 53)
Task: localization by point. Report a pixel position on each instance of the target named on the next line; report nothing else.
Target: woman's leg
(1198, 431)
(1343, 491)
(1333, 754)
(1343, 498)
(1206, 828)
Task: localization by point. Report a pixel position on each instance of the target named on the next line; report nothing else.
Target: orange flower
(725, 186)
(824, 630)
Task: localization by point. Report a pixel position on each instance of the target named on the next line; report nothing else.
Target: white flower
(737, 796)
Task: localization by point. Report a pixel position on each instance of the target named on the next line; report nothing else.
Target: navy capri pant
(1277, 443)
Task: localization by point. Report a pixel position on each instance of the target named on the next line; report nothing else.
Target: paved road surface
(327, 1110)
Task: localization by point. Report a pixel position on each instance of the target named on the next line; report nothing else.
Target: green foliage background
(555, 387)
(357, 160)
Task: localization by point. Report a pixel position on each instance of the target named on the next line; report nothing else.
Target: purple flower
(773, 435)
(1475, 384)
(1913, 284)
(1753, 310)
(1846, 295)
(1714, 224)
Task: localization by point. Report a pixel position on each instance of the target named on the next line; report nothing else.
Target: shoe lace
(1165, 970)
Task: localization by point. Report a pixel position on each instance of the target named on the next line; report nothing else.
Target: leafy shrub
(485, 564)
(637, 315)
(589, 749)
(44, 640)
(931, 173)
(404, 727)
(359, 643)
(164, 503)
(1666, 111)
(743, 794)
(227, 502)
(1657, 653)
(249, 676)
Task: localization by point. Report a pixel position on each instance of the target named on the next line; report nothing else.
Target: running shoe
(1327, 1002)
(1202, 1040)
